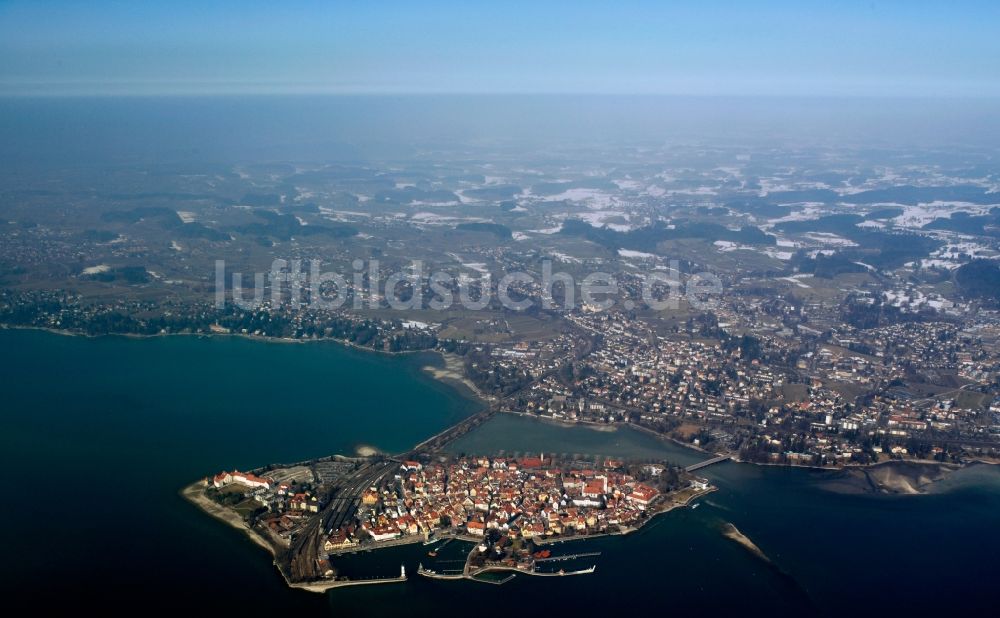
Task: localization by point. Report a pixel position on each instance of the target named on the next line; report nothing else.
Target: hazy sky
(906, 48)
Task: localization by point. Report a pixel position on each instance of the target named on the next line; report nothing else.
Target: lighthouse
(402, 571)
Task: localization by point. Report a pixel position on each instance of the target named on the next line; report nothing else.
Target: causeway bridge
(707, 462)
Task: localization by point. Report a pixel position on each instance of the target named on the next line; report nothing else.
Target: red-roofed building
(477, 528)
(241, 478)
(642, 495)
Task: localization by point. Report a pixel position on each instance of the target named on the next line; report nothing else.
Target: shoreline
(614, 425)
(457, 381)
(194, 494)
(626, 531)
(451, 375)
(556, 540)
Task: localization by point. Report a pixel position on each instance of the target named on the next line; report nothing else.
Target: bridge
(450, 434)
(707, 462)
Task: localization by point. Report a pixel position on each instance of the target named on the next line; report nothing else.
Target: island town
(509, 511)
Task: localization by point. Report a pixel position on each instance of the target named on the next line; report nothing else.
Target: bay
(100, 434)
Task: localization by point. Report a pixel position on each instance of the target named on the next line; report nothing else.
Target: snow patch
(629, 253)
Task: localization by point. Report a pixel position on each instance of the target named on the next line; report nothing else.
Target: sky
(770, 48)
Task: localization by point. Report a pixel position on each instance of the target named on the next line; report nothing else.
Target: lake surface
(98, 436)
(513, 434)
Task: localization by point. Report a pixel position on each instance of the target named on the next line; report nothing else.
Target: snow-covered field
(922, 214)
(96, 270)
(827, 238)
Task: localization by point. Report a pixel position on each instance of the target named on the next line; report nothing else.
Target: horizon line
(460, 93)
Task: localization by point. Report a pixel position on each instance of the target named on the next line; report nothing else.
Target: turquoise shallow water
(98, 436)
(513, 434)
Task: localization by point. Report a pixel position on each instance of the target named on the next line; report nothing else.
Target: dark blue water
(97, 436)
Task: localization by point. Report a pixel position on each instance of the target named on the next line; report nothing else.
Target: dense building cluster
(520, 498)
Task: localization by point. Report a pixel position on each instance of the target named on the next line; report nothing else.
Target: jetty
(457, 574)
(323, 586)
(561, 573)
(568, 557)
